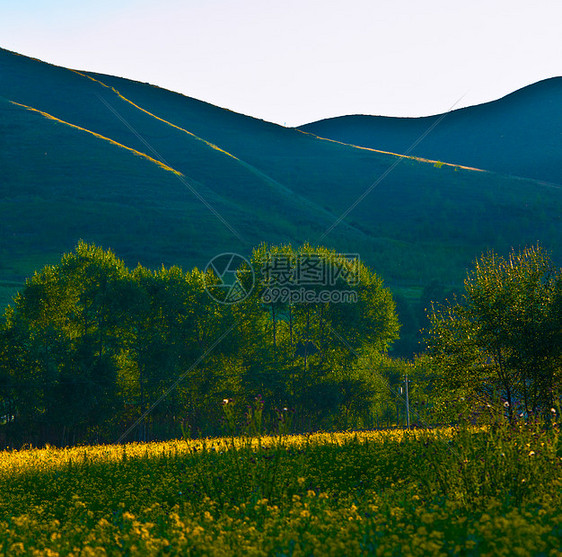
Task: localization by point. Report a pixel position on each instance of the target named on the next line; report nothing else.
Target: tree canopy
(90, 348)
(503, 337)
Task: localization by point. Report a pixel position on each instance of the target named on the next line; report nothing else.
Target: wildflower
(532, 453)
(506, 404)
(553, 410)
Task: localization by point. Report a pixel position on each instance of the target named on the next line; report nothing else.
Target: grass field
(446, 492)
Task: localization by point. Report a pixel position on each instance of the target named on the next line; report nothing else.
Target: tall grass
(462, 491)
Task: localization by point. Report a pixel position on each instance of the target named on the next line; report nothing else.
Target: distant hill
(518, 135)
(166, 179)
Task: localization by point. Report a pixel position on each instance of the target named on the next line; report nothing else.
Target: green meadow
(454, 491)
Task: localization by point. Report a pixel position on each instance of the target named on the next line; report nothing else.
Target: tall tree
(322, 308)
(65, 326)
(505, 332)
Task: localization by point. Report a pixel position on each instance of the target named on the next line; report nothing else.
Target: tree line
(89, 346)
(91, 351)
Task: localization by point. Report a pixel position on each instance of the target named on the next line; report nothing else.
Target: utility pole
(407, 403)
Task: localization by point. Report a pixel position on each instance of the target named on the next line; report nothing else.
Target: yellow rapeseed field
(447, 492)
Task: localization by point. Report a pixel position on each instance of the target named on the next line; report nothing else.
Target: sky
(297, 61)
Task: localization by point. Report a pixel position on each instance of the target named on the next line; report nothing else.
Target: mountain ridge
(528, 122)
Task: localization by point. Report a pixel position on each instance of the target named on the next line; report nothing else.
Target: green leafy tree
(503, 336)
(89, 347)
(174, 324)
(309, 345)
(64, 328)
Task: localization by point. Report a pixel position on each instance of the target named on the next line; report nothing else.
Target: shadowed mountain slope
(519, 135)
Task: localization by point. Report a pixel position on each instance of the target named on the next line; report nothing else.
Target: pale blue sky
(296, 61)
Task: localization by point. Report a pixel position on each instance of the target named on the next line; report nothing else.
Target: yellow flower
(17, 548)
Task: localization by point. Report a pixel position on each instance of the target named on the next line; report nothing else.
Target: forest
(92, 351)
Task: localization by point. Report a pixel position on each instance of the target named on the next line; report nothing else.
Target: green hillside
(64, 158)
(519, 135)
(163, 178)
